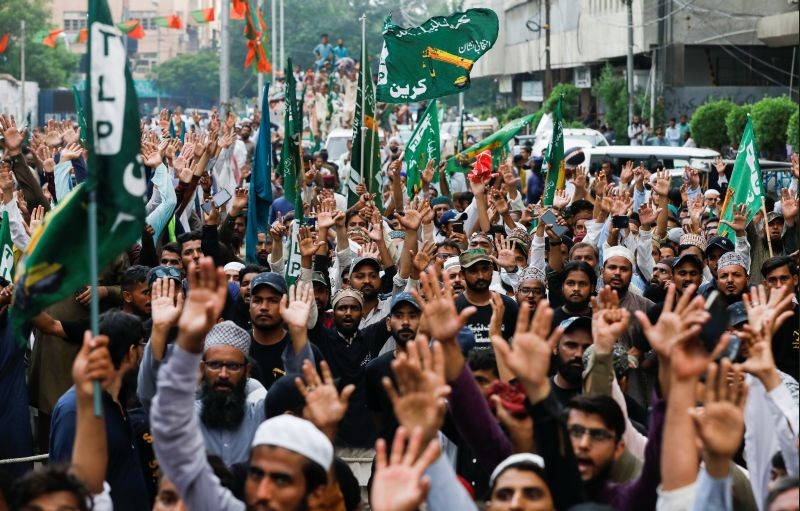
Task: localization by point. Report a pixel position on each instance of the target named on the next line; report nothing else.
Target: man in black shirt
(568, 380)
(477, 268)
(578, 280)
(269, 335)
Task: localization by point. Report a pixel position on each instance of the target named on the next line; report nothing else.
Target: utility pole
(224, 57)
(22, 71)
(548, 72)
(630, 60)
(158, 60)
(283, 55)
(273, 21)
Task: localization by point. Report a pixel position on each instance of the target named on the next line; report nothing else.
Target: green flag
(56, 261)
(745, 186)
(366, 148)
(460, 139)
(554, 158)
(81, 119)
(495, 143)
(422, 147)
(291, 164)
(435, 58)
(7, 249)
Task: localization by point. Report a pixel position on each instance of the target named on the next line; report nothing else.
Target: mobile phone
(221, 198)
(458, 227)
(620, 221)
(731, 351)
(716, 326)
(549, 218)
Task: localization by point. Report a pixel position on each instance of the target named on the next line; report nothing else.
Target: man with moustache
(568, 357)
(617, 273)
(452, 268)
(227, 421)
(732, 277)
(477, 269)
(578, 281)
(532, 286)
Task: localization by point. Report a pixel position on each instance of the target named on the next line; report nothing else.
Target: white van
(336, 144)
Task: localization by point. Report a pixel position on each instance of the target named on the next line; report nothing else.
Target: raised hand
(47, 155)
(70, 134)
(423, 256)
(325, 405)
(71, 151)
(239, 202)
(151, 155)
(581, 178)
(166, 303)
(626, 173)
(661, 185)
(648, 213)
(506, 258)
(411, 219)
(12, 137)
(621, 204)
(376, 227)
(208, 288)
(37, 218)
(677, 323)
(427, 174)
(52, 134)
(439, 306)
(308, 245)
(326, 214)
(719, 423)
(760, 361)
(420, 398)
(739, 221)
(400, 484)
(777, 309)
(561, 199)
(498, 311)
(609, 322)
(93, 363)
(789, 207)
(528, 357)
(719, 164)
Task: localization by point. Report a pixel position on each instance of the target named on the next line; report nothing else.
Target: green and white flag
(293, 258)
(422, 147)
(56, 261)
(435, 58)
(554, 158)
(290, 163)
(367, 153)
(495, 143)
(745, 186)
(7, 248)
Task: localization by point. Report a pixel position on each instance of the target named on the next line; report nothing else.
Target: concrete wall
(11, 99)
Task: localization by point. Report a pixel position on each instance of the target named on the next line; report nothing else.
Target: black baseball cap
(158, 272)
(358, 261)
(270, 279)
(687, 257)
(720, 242)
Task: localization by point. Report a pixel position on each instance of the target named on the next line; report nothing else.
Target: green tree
(50, 67)
(569, 105)
(792, 135)
(735, 122)
(770, 121)
(708, 122)
(612, 91)
(192, 76)
(512, 113)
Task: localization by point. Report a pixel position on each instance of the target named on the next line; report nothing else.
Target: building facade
(685, 51)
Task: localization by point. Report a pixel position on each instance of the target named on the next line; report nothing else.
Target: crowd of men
(615, 350)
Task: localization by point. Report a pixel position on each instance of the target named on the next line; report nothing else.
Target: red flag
(253, 30)
(3, 43)
(132, 28)
(83, 36)
(238, 9)
(51, 38)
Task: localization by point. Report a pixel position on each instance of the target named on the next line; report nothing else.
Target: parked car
(336, 144)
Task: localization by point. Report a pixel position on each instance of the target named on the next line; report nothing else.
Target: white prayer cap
(233, 266)
(296, 435)
(617, 251)
(711, 193)
(452, 262)
(523, 457)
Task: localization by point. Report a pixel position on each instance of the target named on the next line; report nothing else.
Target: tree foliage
(735, 122)
(792, 131)
(708, 122)
(569, 104)
(612, 91)
(192, 76)
(770, 121)
(50, 67)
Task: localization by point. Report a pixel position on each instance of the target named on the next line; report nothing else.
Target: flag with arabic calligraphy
(435, 58)
(495, 143)
(745, 186)
(422, 147)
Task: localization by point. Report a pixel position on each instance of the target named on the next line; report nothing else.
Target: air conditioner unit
(583, 78)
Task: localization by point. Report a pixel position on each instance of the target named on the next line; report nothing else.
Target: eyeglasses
(444, 256)
(232, 367)
(538, 291)
(577, 432)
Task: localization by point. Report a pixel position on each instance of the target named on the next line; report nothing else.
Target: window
(74, 20)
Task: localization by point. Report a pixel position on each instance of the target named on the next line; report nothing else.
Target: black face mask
(223, 409)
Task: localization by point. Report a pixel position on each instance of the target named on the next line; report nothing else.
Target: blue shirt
(124, 470)
(324, 50)
(340, 52)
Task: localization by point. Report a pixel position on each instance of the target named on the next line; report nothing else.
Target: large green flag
(56, 261)
(422, 147)
(81, 119)
(745, 186)
(291, 163)
(554, 158)
(365, 159)
(495, 143)
(435, 58)
(6, 251)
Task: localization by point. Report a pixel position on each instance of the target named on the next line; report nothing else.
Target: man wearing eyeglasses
(227, 420)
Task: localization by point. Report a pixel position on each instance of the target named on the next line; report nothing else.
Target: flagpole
(363, 20)
(373, 142)
(766, 225)
(93, 282)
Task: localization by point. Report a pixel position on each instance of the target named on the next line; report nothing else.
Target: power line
(653, 21)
